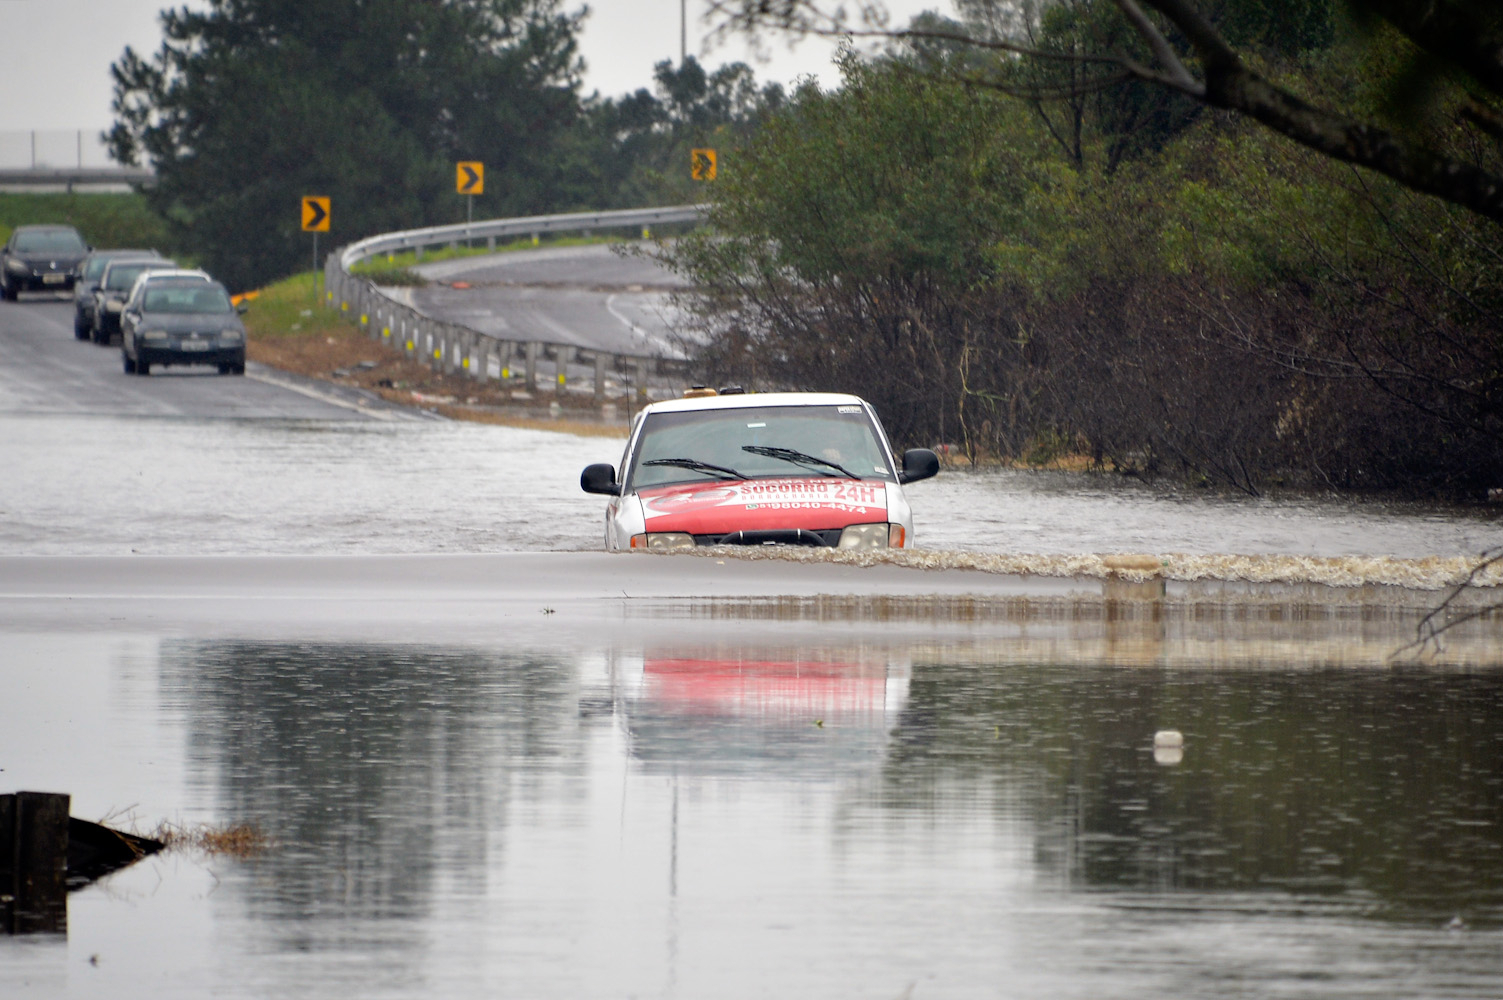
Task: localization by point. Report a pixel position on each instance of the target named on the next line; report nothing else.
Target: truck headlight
(865, 536)
(663, 541)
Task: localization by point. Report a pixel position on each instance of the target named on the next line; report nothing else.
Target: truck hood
(722, 507)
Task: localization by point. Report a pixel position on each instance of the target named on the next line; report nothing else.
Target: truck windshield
(758, 443)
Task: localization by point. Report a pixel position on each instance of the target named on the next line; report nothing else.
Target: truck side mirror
(600, 478)
(918, 463)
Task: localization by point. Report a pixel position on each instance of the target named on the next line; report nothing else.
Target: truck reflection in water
(764, 712)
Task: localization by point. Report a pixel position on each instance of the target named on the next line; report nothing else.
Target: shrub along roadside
(1223, 307)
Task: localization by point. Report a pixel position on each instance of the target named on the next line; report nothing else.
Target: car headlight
(230, 336)
(113, 305)
(663, 541)
(866, 536)
(19, 266)
(153, 334)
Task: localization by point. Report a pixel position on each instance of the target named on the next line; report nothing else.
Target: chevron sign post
(315, 221)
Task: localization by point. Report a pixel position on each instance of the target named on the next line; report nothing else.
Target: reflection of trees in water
(1385, 784)
(375, 768)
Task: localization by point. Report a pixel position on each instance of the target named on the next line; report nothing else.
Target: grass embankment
(290, 330)
(105, 220)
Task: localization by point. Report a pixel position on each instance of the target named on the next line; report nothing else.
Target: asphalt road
(44, 369)
(588, 296)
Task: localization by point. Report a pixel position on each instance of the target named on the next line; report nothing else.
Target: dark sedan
(86, 283)
(181, 321)
(40, 258)
(115, 283)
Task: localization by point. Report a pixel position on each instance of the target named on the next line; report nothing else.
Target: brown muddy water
(824, 796)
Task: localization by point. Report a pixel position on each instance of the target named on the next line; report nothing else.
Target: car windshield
(49, 241)
(97, 265)
(122, 276)
(757, 442)
(186, 299)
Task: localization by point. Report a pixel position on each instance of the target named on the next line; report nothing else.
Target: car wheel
(6, 292)
(230, 368)
(80, 328)
(143, 367)
(130, 366)
(96, 335)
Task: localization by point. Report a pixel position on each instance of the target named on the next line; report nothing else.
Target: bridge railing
(455, 348)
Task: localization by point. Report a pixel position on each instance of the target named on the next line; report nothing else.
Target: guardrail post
(480, 360)
(600, 362)
(531, 371)
(490, 243)
(641, 382)
(506, 353)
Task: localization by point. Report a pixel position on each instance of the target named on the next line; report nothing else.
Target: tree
(251, 104)
(1185, 48)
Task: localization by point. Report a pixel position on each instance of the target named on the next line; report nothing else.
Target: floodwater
(808, 811)
(93, 484)
(733, 799)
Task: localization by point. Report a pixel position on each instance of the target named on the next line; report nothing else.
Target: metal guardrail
(71, 177)
(454, 348)
(417, 239)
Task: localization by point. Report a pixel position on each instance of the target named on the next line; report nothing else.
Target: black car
(86, 283)
(115, 283)
(181, 320)
(40, 258)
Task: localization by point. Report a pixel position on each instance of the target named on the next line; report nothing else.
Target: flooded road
(791, 811)
(91, 484)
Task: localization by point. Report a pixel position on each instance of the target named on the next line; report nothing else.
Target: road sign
(315, 213)
(702, 164)
(469, 177)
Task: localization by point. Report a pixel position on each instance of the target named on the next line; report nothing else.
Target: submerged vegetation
(236, 840)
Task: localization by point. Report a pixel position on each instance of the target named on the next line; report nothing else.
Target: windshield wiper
(695, 465)
(798, 457)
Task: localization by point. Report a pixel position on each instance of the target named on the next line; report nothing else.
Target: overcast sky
(56, 54)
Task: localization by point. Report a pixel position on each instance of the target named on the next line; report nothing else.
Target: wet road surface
(592, 297)
(44, 369)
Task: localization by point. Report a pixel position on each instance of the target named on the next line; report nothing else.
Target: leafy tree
(250, 104)
(636, 147)
(1207, 51)
(1226, 306)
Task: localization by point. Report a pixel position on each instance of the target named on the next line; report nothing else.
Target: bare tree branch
(1175, 74)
